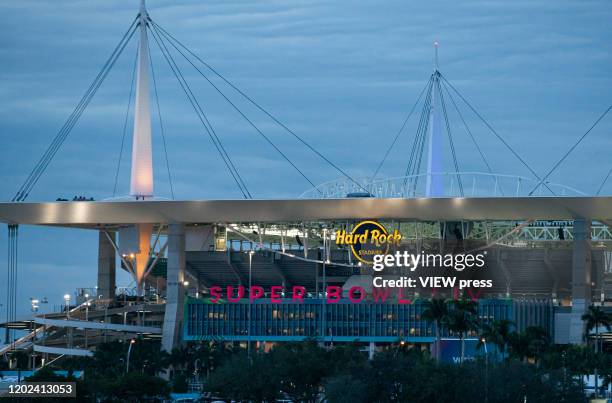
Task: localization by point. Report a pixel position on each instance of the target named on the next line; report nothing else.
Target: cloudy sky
(342, 74)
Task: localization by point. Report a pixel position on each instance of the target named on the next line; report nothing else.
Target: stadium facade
(548, 257)
(288, 244)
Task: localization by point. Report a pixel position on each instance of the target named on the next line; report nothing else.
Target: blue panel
(292, 321)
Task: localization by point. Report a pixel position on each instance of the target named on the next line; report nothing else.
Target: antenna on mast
(436, 45)
(434, 186)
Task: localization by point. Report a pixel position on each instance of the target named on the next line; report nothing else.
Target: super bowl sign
(368, 239)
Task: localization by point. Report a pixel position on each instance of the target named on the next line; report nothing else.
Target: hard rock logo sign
(368, 239)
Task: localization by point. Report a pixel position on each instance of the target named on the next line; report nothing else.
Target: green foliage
(200, 357)
(105, 376)
(437, 312)
(302, 367)
(344, 388)
(596, 317)
(462, 319)
(132, 387)
(179, 383)
(109, 360)
(533, 369)
(497, 333)
(46, 374)
(74, 363)
(531, 344)
(242, 378)
(292, 370)
(413, 377)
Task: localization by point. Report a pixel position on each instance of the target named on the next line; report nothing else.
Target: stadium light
(67, 302)
(127, 361)
(34, 303)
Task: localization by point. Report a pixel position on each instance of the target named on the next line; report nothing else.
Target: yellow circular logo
(369, 239)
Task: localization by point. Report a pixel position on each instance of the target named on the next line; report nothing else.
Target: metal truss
(475, 184)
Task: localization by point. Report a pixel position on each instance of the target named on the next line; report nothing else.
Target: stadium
(196, 263)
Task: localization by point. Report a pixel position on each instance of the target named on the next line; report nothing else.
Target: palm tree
(538, 340)
(519, 346)
(594, 318)
(466, 305)
(463, 319)
(179, 359)
(436, 311)
(580, 361)
(531, 343)
(497, 333)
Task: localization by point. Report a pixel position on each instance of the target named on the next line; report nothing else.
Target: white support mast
(141, 183)
(435, 180)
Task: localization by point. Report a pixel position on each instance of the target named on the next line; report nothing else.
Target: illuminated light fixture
(186, 283)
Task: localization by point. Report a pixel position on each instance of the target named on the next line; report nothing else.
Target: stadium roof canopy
(92, 214)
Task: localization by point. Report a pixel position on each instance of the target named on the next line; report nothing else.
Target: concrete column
(106, 266)
(371, 350)
(173, 319)
(581, 278)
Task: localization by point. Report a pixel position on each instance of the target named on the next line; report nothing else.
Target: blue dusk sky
(342, 74)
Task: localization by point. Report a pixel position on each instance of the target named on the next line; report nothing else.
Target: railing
(31, 335)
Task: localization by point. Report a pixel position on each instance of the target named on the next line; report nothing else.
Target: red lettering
(474, 296)
(275, 296)
(334, 294)
(401, 299)
(256, 292)
(351, 294)
(230, 291)
(377, 294)
(216, 292)
(298, 293)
